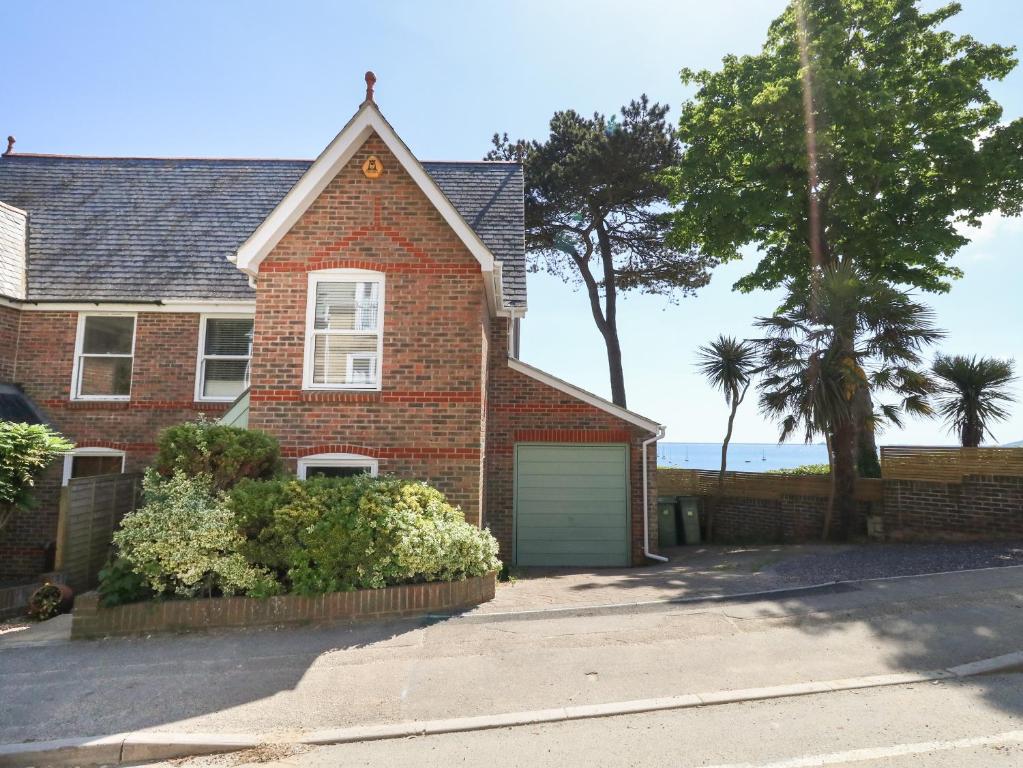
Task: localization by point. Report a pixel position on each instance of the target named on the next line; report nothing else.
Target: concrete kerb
(128, 748)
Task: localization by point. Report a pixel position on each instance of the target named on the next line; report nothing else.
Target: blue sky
(244, 79)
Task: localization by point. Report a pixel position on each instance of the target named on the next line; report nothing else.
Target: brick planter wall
(91, 620)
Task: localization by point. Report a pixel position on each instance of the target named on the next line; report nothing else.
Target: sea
(742, 457)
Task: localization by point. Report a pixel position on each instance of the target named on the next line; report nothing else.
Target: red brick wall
(981, 507)
(425, 423)
(9, 318)
(523, 409)
(788, 520)
(162, 394)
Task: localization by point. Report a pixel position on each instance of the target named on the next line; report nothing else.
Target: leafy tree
(596, 213)
(729, 365)
(973, 393)
(813, 372)
(25, 451)
(862, 132)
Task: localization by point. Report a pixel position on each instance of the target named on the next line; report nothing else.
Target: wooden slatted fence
(756, 485)
(949, 465)
(91, 508)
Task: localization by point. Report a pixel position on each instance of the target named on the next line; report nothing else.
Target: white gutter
(646, 500)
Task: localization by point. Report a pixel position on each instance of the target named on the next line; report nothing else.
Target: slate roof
(143, 229)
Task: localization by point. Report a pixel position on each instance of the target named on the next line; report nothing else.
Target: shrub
(226, 454)
(184, 541)
(805, 469)
(324, 535)
(119, 584)
(25, 451)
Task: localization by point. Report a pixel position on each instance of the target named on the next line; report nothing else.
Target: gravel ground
(879, 560)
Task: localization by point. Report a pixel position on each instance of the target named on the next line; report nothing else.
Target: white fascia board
(185, 306)
(330, 162)
(581, 394)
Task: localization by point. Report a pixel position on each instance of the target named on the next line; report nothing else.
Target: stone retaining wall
(91, 620)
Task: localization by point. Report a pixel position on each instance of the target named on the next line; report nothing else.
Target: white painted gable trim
(330, 162)
(582, 394)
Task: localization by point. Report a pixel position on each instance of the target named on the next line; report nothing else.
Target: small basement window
(89, 462)
(225, 354)
(104, 352)
(344, 330)
(336, 465)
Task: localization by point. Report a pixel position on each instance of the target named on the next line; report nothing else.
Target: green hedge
(805, 469)
(331, 534)
(224, 454)
(295, 536)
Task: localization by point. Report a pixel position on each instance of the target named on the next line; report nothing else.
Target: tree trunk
(867, 463)
(606, 315)
(844, 445)
(614, 365)
(736, 400)
(829, 513)
(610, 329)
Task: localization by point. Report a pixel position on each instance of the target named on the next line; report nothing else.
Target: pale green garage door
(571, 504)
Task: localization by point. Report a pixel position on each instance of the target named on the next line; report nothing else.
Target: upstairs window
(344, 330)
(225, 353)
(104, 352)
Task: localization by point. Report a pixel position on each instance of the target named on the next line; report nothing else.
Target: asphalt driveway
(723, 570)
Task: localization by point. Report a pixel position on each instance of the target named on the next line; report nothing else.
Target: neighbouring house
(363, 307)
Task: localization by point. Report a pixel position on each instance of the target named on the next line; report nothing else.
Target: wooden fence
(90, 510)
(756, 485)
(949, 465)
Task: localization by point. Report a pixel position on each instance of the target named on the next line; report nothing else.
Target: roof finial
(370, 82)
(10, 146)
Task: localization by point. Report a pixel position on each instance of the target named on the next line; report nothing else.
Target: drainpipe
(646, 499)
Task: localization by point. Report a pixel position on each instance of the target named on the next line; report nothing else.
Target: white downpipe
(646, 499)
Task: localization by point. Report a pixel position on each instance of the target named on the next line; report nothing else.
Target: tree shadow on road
(89, 688)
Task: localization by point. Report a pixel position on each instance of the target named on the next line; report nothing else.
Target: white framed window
(344, 341)
(337, 465)
(104, 354)
(225, 356)
(89, 462)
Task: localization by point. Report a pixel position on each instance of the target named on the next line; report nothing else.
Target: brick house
(363, 307)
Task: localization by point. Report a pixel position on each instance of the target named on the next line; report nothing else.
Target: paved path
(282, 683)
(938, 725)
(699, 571)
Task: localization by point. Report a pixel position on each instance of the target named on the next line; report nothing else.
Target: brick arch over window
(346, 461)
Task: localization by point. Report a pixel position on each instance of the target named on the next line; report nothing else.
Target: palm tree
(973, 393)
(829, 343)
(729, 365)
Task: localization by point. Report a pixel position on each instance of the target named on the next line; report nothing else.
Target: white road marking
(878, 753)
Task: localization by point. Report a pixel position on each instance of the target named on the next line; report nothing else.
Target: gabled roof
(368, 121)
(145, 229)
(581, 394)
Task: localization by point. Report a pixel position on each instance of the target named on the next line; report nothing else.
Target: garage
(572, 505)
